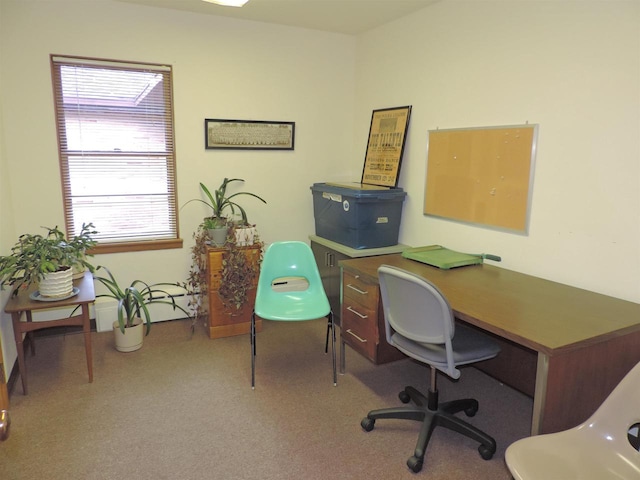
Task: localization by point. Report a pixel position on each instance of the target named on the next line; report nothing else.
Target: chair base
(331, 333)
(431, 414)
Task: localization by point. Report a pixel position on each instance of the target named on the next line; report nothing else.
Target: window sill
(136, 246)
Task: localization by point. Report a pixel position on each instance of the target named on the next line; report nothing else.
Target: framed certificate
(387, 135)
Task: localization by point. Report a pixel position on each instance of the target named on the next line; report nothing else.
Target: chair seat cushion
(469, 346)
(291, 306)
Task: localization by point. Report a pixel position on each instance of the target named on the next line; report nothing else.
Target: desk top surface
(540, 314)
(22, 302)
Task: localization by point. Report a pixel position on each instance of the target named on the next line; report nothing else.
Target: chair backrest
(417, 310)
(619, 412)
(289, 285)
(603, 446)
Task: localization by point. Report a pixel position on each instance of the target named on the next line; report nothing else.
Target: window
(117, 158)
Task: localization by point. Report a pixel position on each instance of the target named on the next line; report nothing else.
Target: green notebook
(441, 257)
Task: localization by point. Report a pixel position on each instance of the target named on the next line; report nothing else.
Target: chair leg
(333, 348)
(252, 334)
(329, 329)
(411, 394)
(429, 424)
(468, 405)
(487, 444)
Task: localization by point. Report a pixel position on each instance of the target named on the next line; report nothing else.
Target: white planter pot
(245, 236)
(132, 338)
(56, 284)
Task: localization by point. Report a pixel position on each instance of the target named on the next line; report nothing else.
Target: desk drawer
(359, 337)
(359, 328)
(357, 291)
(363, 320)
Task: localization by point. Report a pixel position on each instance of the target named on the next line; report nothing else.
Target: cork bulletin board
(482, 176)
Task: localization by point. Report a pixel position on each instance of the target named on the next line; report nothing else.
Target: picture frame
(248, 134)
(385, 146)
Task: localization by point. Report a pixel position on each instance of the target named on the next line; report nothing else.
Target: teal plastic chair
(290, 290)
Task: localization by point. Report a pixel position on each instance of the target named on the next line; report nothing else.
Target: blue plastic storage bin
(358, 217)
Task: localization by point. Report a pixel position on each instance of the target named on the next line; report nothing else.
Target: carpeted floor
(183, 408)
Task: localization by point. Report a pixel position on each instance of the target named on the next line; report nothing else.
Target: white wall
(571, 67)
(223, 68)
(7, 239)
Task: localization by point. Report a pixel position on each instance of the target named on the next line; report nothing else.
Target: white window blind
(117, 161)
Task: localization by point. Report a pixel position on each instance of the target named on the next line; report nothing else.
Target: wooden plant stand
(224, 321)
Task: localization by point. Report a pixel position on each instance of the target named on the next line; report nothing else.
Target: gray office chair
(419, 322)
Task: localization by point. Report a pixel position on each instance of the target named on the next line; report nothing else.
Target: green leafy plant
(196, 282)
(35, 255)
(238, 274)
(210, 223)
(133, 299)
(219, 201)
(236, 277)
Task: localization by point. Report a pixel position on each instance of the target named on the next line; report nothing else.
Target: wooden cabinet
(327, 259)
(328, 255)
(224, 320)
(355, 302)
(363, 320)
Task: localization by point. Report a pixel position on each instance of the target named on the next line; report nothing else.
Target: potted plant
(47, 260)
(216, 228)
(238, 272)
(82, 244)
(196, 283)
(220, 204)
(236, 278)
(132, 309)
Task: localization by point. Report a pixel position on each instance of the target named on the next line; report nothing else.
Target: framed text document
(387, 135)
(482, 176)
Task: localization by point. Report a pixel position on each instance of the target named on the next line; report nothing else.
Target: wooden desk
(579, 343)
(21, 303)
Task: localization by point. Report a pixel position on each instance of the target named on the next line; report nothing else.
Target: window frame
(64, 153)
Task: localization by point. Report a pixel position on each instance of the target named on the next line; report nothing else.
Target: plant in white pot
(220, 203)
(47, 260)
(133, 313)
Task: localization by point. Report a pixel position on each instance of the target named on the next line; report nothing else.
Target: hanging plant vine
(237, 276)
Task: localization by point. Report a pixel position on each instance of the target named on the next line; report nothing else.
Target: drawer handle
(362, 340)
(361, 292)
(357, 313)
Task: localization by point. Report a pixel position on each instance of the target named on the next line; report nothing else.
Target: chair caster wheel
(367, 424)
(414, 464)
(404, 397)
(485, 452)
(472, 410)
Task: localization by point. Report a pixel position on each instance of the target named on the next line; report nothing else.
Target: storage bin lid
(360, 190)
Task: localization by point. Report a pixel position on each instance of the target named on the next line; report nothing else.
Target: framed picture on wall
(387, 135)
(248, 134)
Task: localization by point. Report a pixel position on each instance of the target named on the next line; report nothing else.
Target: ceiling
(339, 16)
